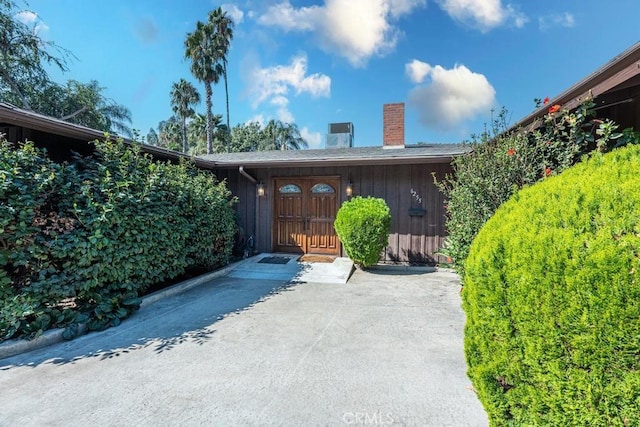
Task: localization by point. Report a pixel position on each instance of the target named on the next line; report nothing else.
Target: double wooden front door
(305, 209)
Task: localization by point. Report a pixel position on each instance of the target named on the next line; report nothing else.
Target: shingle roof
(12, 115)
(423, 153)
(411, 154)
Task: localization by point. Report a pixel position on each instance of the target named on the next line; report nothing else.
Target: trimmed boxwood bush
(362, 224)
(552, 297)
(81, 242)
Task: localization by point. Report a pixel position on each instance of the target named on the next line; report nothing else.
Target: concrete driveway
(384, 349)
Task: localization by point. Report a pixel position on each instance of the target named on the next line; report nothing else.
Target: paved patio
(385, 349)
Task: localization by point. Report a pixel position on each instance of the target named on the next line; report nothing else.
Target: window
(290, 188)
(322, 188)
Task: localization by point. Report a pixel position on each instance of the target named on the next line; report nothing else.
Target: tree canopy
(183, 96)
(24, 81)
(207, 47)
(23, 56)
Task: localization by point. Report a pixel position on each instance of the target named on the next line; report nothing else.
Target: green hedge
(552, 297)
(362, 224)
(80, 242)
(501, 162)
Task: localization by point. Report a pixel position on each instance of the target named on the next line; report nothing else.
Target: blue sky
(324, 61)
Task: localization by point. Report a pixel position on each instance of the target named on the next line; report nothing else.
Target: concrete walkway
(385, 349)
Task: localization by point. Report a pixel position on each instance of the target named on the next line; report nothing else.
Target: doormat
(274, 260)
(317, 258)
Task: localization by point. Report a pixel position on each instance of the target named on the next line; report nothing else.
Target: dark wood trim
(334, 162)
(617, 79)
(614, 73)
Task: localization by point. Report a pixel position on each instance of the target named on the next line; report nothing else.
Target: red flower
(547, 172)
(546, 101)
(511, 152)
(554, 108)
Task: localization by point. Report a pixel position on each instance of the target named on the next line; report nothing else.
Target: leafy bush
(362, 224)
(81, 242)
(34, 234)
(552, 297)
(501, 162)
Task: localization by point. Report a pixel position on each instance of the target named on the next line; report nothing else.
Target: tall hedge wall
(80, 242)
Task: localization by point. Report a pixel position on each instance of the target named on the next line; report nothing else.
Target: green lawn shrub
(362, 224)
(81, 242)
(501, 162)
(552, 298)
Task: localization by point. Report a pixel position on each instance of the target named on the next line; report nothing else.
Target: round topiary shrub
(552, 297)
(362, 224)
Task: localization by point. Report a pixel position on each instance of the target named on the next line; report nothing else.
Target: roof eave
(15, 116)
(621, 68)
(262, 164)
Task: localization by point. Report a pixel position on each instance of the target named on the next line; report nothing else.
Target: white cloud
(417, 70)
(26, 17)
(565, 20)
(353, 29)
(483, 14)
(451, 97)
(275, 83)
(398, 8)
(258, 118)
(41, 28)
(288, 18)
(284, 115)
(234, 12)
(314, 139)
(279, 101)
(31, 18)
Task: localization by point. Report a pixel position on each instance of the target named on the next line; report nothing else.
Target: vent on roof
(340, 135)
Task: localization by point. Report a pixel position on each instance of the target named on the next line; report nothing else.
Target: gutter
(246, 175)
(323, 162)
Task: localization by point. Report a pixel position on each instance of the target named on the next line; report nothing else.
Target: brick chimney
(393, 125)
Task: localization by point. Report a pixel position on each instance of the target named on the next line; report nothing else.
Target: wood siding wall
(408, 190)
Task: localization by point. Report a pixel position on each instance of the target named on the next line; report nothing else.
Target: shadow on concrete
(186, 318)
(399, 270)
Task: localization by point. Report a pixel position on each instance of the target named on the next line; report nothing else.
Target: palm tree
(224, 33)
(183, 96)
(283, 136)
(197, 130)
(169, 133)
(206, 48)
(222, 136)
(152, 137)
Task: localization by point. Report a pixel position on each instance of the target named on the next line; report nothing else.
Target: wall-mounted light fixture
(349, 189)
(260, 189)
